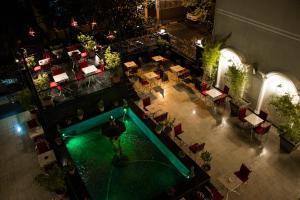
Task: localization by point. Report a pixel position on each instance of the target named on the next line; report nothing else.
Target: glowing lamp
(74, 23)
(199, 43)
(31, 32)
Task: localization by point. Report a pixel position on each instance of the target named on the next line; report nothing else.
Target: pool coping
(182, 189)
(200, 178)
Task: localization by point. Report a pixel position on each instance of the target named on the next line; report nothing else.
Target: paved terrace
(275, 175)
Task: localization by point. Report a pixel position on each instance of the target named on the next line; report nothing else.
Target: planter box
(287, 145)
(235, 108)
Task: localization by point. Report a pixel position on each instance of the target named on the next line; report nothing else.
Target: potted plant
(42, 86)
(159, 127)
(53, 180)
(80, 113)
(88, 42)
(69, 168)
(289, 129)
(100, 105)
(163, 45)
(168, 125)
(206, 157)
(237, 79)
(30, 60)
(112, 60)
(210, 57)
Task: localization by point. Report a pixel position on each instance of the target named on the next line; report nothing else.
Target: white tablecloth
(89, 69)
(253, 119)
(60, 77)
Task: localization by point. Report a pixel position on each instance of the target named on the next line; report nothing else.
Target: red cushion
(53, 84)
(37, 68)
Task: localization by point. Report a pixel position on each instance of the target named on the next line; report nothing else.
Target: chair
(203, 89)
(56, 71)
(225, 90)
(42, 146)
(54, 85)
(197, 147)
(242, 114)
(161, 117)
(143, 82)
(263, 115)
(178, 130)
(83, 64)
(146, 102)
(32, 123)
(262, 129)
(214, 193)
(243, 173)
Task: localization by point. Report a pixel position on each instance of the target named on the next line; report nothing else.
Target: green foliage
(112, 59)
(162, 43)
(199, 8)
(42, 82)
(211, 55)
(291, 112)
(237, 79)
(53, 181)
(190, 3)
(88, 42)
(206, 156)
(30, 60)
(100, 103)
(24, 97)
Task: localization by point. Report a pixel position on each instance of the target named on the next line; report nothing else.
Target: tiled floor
(18, 162)
(275, 175)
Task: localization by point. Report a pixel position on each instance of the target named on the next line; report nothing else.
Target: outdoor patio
(274, 175)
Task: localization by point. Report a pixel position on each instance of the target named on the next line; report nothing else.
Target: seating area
(45, 154)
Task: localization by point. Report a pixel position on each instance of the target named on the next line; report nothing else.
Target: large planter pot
(287, 145)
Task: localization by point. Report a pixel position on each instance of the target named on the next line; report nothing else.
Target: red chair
(54, 85)
(146, 102)
(225, 90)
(56, 71)
(197, 147)
(37, 68)
(242, 114)
(216, 195)
(178, 130)
(203, 89)
(83, 64)
(263, 115)
(80, 76)
(161, 117)
(243, 173)
(145, 84)
(262, 129)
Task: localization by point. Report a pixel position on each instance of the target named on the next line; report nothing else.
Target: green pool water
(150, 170)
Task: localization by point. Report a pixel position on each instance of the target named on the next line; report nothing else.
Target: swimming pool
(151, 169)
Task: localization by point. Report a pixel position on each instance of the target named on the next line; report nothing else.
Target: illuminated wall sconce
(31, 32)
(199, 43)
